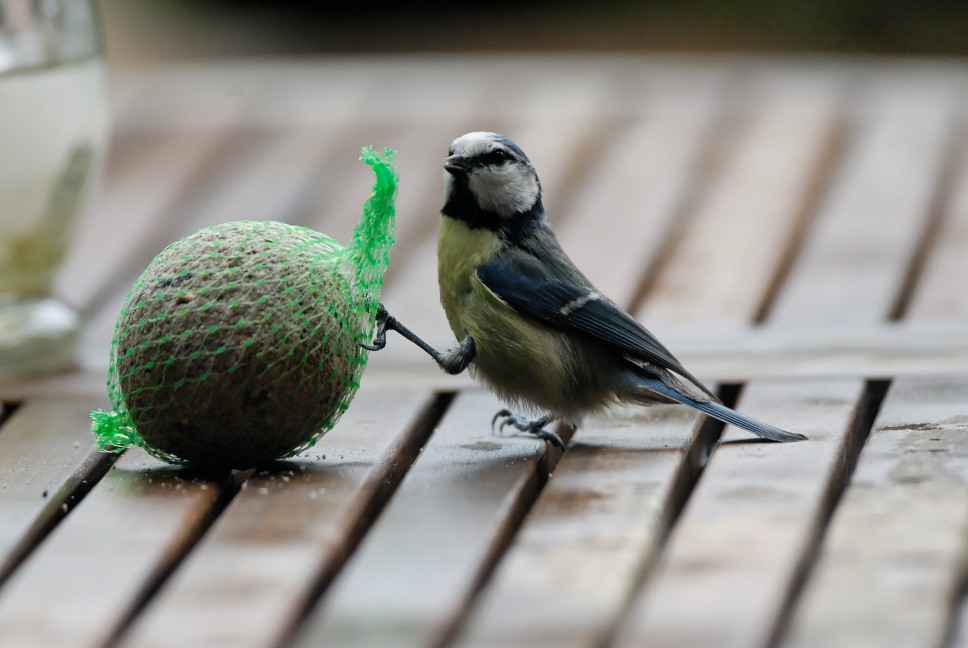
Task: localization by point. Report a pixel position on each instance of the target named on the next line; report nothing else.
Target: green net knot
(114, 431)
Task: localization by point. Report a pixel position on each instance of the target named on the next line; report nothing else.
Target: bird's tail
(721, 412)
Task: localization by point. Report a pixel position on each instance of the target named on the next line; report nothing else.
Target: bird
(530, 325)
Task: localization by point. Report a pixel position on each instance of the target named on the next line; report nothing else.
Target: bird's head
(489, 181)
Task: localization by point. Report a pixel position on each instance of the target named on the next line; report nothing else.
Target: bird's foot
(535, 427)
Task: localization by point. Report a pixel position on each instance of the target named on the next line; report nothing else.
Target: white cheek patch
(505, 190)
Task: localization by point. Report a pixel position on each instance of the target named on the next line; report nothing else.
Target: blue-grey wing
(576, 309)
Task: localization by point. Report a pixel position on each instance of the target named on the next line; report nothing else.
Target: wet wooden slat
(288, 531)
(585, 593)
(267, 179)
(877, 350)
(568, 572)
(434, 542)
(937, 297)
(714, 552)
(748, 522)
(80, 585)
(46, 455)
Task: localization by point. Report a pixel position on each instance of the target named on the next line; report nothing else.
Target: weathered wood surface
(897, 541)
(794, 228)
(758, 545)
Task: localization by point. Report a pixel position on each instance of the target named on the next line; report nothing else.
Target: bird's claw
(505, 413)
(378, 343)
(550, 437)
(535, 427)
(380, 340)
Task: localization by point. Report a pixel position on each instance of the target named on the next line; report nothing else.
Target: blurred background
(145, 30)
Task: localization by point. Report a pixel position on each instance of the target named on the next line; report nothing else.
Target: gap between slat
(860, 429)
(227, 491)
(59, 505)
(823, 176)
(725, 125)
(954, 157)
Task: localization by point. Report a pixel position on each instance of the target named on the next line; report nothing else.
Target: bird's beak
(457, 165)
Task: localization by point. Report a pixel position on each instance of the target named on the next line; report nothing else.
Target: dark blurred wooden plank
(289, 531)
(654, 166)
(879, 205)
(938, 298)
(784, 133)
(239, 175)
(46, 460)
(832, 350)
(752, 523)
(70, 385)
(568, 576)
(144, 179)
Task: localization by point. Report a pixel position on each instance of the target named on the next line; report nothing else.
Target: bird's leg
(535, 427)
(453, 362)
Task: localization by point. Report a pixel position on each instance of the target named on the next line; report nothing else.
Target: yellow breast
(460, 250)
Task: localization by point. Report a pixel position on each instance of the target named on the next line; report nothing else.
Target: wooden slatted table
(795, 230)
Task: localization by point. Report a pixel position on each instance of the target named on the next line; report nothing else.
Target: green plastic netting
(240, 344)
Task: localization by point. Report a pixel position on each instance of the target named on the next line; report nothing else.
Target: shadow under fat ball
(240, 344)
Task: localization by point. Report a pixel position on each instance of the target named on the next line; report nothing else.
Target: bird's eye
(495, 157)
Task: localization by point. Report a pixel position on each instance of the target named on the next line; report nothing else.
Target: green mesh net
(240, 344)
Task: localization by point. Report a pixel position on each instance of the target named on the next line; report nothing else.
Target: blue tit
(532, 327)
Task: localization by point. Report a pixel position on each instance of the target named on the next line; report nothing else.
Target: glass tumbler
(53, 131)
